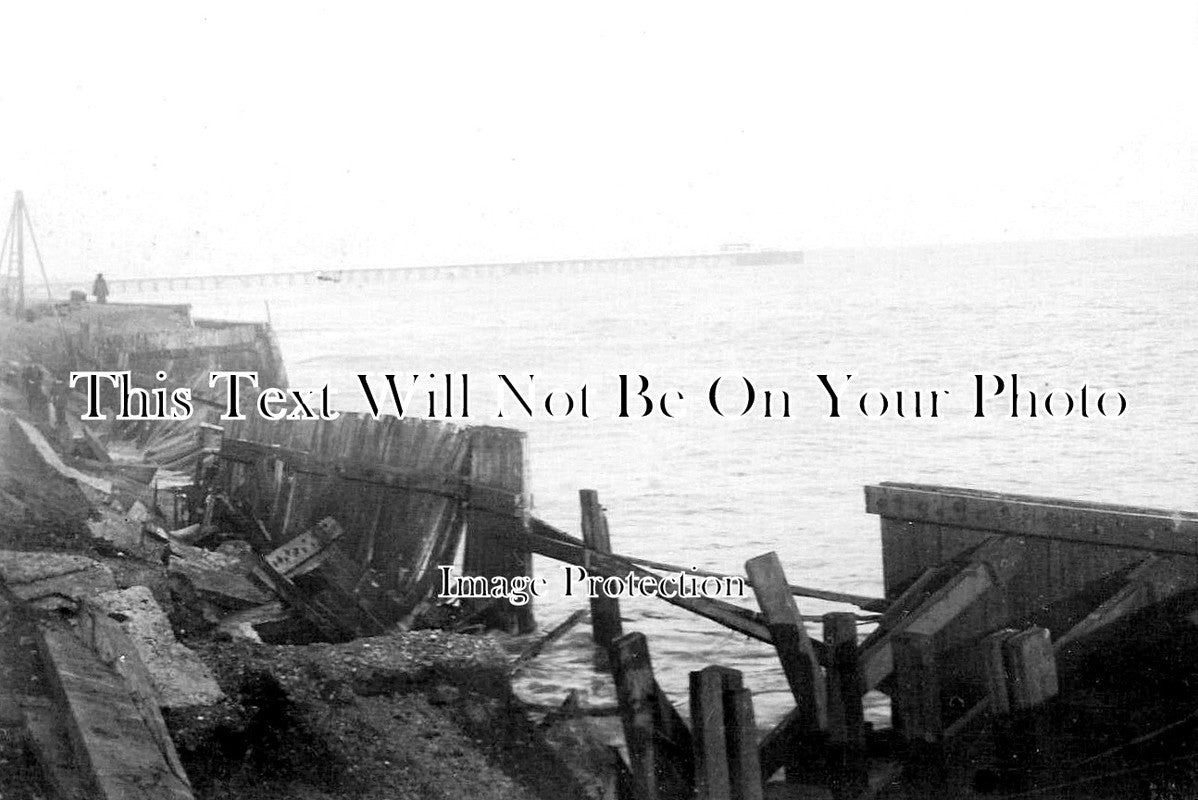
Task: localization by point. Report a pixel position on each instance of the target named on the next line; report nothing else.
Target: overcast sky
(189, 138)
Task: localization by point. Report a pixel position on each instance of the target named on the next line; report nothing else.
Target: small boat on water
(330, 277)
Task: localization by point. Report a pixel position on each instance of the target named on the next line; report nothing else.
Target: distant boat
(331, 277)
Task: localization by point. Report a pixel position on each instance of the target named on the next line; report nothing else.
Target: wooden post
(917, 694)
(846, 715)
(916, 702)
(709, 734)
(659, 744)
(497, 470)
(744, 765)
(794, 648)
(1021, 737)
(605, 611)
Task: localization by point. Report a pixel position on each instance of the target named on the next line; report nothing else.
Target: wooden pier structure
(355, 276)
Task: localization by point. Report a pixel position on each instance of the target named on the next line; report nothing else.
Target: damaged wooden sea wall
(960, 564)
(187, 351)
(401, 491)
(200, 345)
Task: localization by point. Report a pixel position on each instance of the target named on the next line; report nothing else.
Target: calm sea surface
(712, 492)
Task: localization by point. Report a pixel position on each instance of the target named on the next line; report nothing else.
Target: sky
(172, 138)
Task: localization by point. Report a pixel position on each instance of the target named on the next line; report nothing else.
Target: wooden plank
(789, 638)
(553, 543)
(911, 598)
(533, 650)
(437, 483)
(1098, 524)
(605, 610)
(107, 731)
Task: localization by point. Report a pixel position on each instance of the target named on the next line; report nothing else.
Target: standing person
(100, 288)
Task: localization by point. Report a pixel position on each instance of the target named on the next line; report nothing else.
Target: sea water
(709, 491)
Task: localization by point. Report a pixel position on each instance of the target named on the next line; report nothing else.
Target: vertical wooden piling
(497, 475)
(709, 734)
(605, 611)
(790, 639)
(724, 734)
(846, 715)
(916, 703)
(1021, 736)
(659, 744)
(744, 764)
(917, 695)
(846, 718)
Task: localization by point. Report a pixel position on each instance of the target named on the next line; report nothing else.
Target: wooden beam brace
(993, 566)
(1157, 578)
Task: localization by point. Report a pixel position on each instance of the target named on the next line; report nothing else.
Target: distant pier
(728, 260)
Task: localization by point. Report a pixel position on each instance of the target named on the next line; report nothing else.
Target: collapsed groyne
(170, 559)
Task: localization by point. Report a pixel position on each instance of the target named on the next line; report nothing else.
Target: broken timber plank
(107, 730)
(790, 639)
(553, 543)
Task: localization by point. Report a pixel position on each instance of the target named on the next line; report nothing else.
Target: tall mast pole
(19, 242)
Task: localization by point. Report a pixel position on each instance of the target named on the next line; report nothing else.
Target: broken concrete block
(177, 673)
(219, 578)
(116, 529)
(53, 580)
(138, 512)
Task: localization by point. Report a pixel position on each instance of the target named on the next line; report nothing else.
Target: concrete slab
(177, 674)
(53, 580)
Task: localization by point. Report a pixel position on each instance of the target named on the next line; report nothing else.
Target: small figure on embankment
(100, 288)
